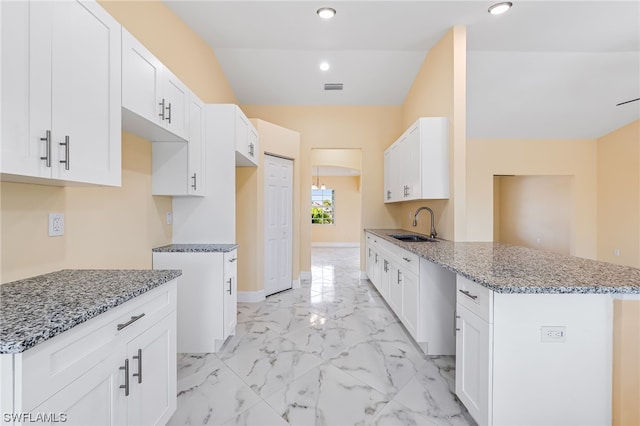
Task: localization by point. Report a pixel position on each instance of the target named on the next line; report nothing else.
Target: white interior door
(278, 207)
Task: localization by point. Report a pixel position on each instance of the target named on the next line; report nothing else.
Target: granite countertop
(196, 248)
(506, 268)
(36, 309)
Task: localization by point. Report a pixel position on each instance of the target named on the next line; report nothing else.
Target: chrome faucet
(433, 232)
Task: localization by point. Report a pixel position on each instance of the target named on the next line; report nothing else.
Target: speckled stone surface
(506, 268)
(195, 248)
(36, 309)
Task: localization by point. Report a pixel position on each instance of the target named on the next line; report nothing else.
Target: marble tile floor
(328, 353)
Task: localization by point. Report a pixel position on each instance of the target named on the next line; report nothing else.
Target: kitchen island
(73, 345)
(533, 329)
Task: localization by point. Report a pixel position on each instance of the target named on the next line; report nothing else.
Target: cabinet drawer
(408, 261)
(52, 365)
(230, 260)
(475, 297)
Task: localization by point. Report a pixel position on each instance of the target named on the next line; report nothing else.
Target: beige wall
(369, 128)
(109, 227)
(347, 158)
(577, 158)
(250, 205)
(619, 195)
(26, 248)
(439, 90)
(535, 211)
(348, 211)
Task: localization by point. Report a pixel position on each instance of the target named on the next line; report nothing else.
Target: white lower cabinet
(116, 369)
(420, 293)
(533, 359)
(473, 368)
(207, 297)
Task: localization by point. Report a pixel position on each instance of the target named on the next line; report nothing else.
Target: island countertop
(506, 268)
(196, 248)
(36, 309)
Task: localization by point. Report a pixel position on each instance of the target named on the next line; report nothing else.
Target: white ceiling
(543, 70)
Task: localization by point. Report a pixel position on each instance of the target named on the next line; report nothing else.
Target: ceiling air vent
(333, 86)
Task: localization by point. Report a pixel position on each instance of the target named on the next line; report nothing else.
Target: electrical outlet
(616, 252)
(56, 224)
(169, 218)
(554, 334)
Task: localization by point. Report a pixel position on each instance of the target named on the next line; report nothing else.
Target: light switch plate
(56, 224)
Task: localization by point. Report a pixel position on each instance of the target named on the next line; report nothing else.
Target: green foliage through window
(322, 206)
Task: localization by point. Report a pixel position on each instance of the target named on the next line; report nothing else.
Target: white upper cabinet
(416, 166)
(61, 93)
(178, 167)
(246, 140)
(155, 102)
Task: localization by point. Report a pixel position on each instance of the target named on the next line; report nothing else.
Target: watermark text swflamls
(34, 417)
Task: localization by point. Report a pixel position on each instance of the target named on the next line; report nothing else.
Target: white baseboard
(295, 283)
(337, 245)
(363, 275)
(251, 296)
(305, 275)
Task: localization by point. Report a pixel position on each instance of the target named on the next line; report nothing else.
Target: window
(322, 206)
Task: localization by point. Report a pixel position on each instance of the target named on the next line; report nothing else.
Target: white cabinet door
(246, 139)
(26, 101)
(410, 302)
(86, 58)
(230, 293)
(473, 368)
(141, 80)
(392, 174)
(385, 277)
(410, 165)
(395, 289)
(61, 92)
(95, 398)
(152, 374)
(196, 147)
(176, 104)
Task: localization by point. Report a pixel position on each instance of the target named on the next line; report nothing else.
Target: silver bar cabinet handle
(388, 195)
(230, 281)
(406, 259)
(194, 181)
(47, 147)
(131, 321)
(126, 377)
(466, 293)
(66, 152)
(169, 111)
(161, 115)
(251, 147)
(139, 373)
(233, 260)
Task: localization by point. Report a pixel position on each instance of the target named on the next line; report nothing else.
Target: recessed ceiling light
(500, 8)
(324, 66)
(326, 12)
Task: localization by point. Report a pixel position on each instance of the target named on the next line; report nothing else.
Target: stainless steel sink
(413, 238)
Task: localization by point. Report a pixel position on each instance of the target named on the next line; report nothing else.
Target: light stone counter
(506, 268)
